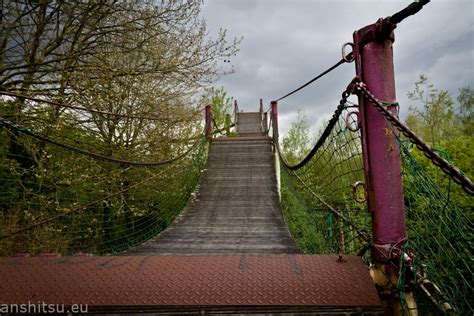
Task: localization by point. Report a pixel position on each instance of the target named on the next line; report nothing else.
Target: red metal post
(374, 64)
(382, 165)
(208, 116)
(275, 119)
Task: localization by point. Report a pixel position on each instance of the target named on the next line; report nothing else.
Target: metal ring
(354, 192)
(350, 57)
(348, 124)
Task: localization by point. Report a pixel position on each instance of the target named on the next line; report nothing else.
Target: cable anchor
(355, 189)
(356, 120)
(349, 57)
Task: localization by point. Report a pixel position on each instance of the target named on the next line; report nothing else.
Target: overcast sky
(287, 42)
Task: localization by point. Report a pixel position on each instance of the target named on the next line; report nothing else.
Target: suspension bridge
(233, 226)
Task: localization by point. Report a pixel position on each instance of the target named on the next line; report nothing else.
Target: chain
(435, 158)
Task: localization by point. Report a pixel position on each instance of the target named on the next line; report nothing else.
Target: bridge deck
(237, 209)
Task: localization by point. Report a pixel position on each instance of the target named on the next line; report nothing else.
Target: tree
(435, 114)
(140, 58)
(466, 110)
(297, 141)
(439, 213)
(220, 102)
(446, 125)
(142, 62)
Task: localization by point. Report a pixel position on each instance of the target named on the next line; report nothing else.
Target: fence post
(274, 107)
(265, 121)
(227, 124)
(275, 120)
(382, 164)
(208, 115)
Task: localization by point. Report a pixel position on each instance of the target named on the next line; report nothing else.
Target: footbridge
(231, 222)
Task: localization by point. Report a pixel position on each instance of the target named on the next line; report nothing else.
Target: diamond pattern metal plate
(233, 282)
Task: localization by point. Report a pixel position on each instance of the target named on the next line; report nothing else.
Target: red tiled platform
(192, 283)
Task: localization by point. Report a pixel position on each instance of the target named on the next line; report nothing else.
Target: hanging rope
(12, 126)
(80, 108)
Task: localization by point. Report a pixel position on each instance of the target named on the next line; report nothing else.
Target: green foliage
(440, 231)
(434, 116)
(323, 217)
(447, 126)
(297, 141)
(124, 62)
(317, 200)
(466, 110)
(221, 104)
(439, 213)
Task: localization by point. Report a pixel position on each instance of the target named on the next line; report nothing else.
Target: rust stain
(387, 131)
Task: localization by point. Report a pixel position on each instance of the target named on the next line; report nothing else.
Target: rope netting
(59, 195)
(317, 196)
(440, 234)
(439, 222)
(319, 199)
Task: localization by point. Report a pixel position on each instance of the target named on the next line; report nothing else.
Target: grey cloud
(287, 42)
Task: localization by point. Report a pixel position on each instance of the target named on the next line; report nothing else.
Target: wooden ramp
(237, 209)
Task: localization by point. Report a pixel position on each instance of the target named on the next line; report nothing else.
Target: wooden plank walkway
(237, 209)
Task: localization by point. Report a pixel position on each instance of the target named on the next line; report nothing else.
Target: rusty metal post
(208, 116)
(381, 154)
(236, 114)
(275, 120)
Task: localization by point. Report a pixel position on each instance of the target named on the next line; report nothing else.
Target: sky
(287, 42)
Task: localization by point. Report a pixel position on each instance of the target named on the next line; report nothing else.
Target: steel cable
(340, 62)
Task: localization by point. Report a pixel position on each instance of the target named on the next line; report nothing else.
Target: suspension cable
(340, 62)
(217, 127)
(12, 126)
(411, 9)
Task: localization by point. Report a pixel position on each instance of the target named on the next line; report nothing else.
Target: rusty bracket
(379, 31)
